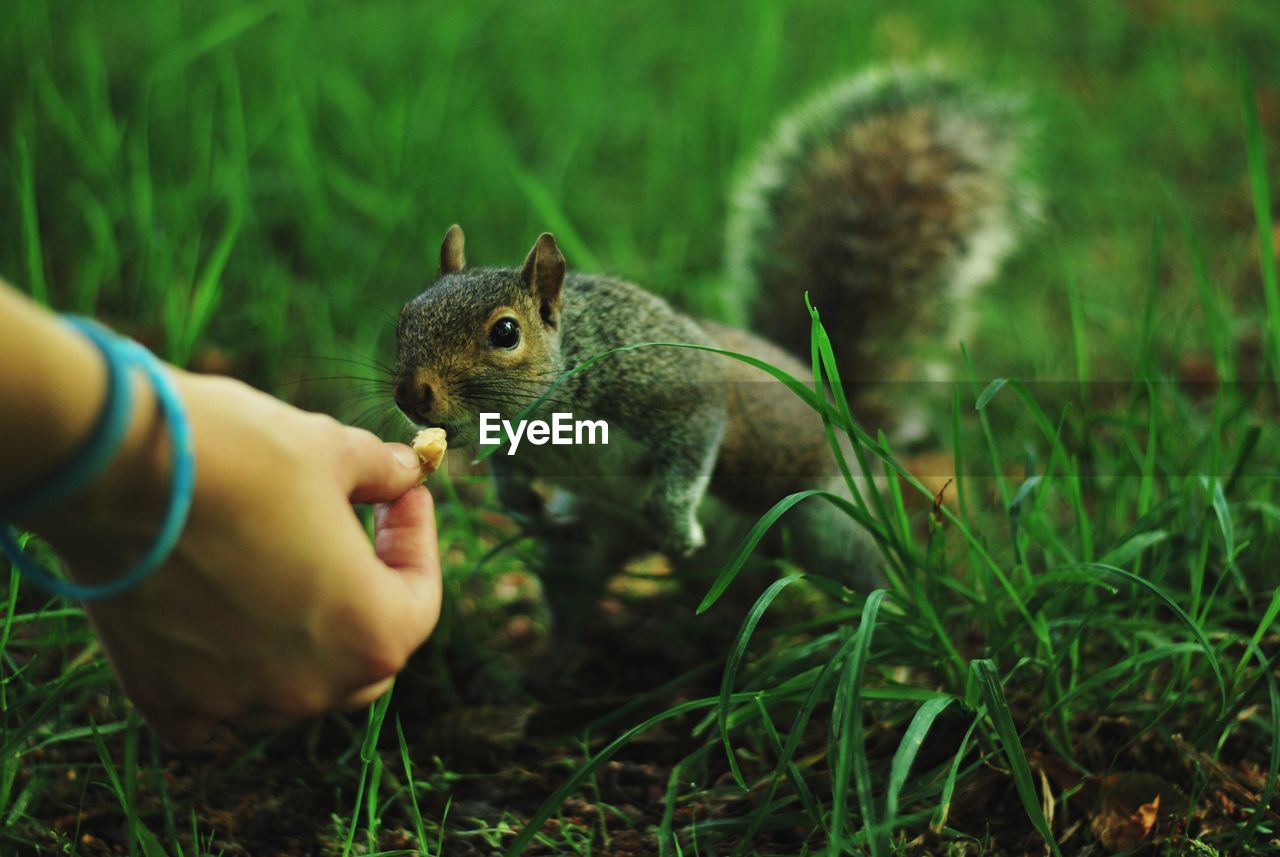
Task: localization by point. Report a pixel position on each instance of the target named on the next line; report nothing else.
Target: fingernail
(405, 456)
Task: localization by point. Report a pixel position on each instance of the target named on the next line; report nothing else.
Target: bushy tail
(890, 198)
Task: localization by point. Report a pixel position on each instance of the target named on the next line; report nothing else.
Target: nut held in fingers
(430, 444)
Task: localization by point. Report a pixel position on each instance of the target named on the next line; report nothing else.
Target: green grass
(258, 187)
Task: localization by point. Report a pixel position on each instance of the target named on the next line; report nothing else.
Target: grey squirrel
(887, 198)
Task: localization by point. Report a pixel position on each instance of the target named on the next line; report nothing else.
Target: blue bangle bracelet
(99, 447)
(121, 355)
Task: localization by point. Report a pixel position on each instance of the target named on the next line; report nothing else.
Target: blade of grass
(1222, 511)
(131, 778)
(546, 204)
(1077, 336)
(29, 219)
(810, 805)
(901, 528)
(989, 392)
(997, 465)
(553, 803)
(161, 786)
(819, 392)
(851, 752)
(419, 828)
(860, 441)
(814, 690)
(1015, 515)
(958, 454)
(1127, 552)
(984, 670)
(1247, 447)
(125, 791)
(50, 697)
(943, 809)
(736, 653)
(748, 546)
(904, 756)
(762, 525)
(221, 32)
(1182, 615)
(1273, 761)
(1260, 187)
(668, 842)
(1137, 665)
(1146, 488)
(368, 753)
(1147, 357)
(1264, 625)
(208, 289)
(1217, 326)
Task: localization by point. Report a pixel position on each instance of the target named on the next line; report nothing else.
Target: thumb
(379, 472)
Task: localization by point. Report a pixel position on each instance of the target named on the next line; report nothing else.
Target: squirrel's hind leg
(823, 539)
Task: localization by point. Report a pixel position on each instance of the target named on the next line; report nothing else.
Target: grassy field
(1077, 651)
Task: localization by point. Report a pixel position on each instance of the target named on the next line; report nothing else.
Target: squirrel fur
(887, 199)
(891, 197)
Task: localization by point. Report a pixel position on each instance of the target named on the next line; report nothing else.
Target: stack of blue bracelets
(97, 452)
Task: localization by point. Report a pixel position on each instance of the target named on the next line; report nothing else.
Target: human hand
(274, 606)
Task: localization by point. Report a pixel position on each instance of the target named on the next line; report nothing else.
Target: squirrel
(889, 199)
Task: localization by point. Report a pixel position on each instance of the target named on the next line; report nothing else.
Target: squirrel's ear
(451, 255)
(543, 273)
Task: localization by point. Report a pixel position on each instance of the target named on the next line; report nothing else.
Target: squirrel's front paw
(681, 539)
(672, 511)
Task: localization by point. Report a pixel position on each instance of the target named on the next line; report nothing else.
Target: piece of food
(430, 444)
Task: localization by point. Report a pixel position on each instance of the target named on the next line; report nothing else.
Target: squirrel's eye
(505, 333)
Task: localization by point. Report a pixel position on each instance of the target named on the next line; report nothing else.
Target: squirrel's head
(480, 339)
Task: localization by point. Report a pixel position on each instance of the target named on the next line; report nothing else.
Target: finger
(365, 696)
(183, 733)
(405, 540)
(377, 471)
(405, 532)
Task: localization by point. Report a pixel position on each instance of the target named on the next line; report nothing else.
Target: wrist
(127, 465)
(124, 505)
(50, 406)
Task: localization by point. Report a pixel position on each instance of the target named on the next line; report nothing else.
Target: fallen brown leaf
(1134, 806)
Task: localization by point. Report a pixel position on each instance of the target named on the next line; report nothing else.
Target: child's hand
(274, 606)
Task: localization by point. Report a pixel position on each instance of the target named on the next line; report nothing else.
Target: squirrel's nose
(414, 398)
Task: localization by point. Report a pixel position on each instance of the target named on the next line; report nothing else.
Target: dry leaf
(1133, 807)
